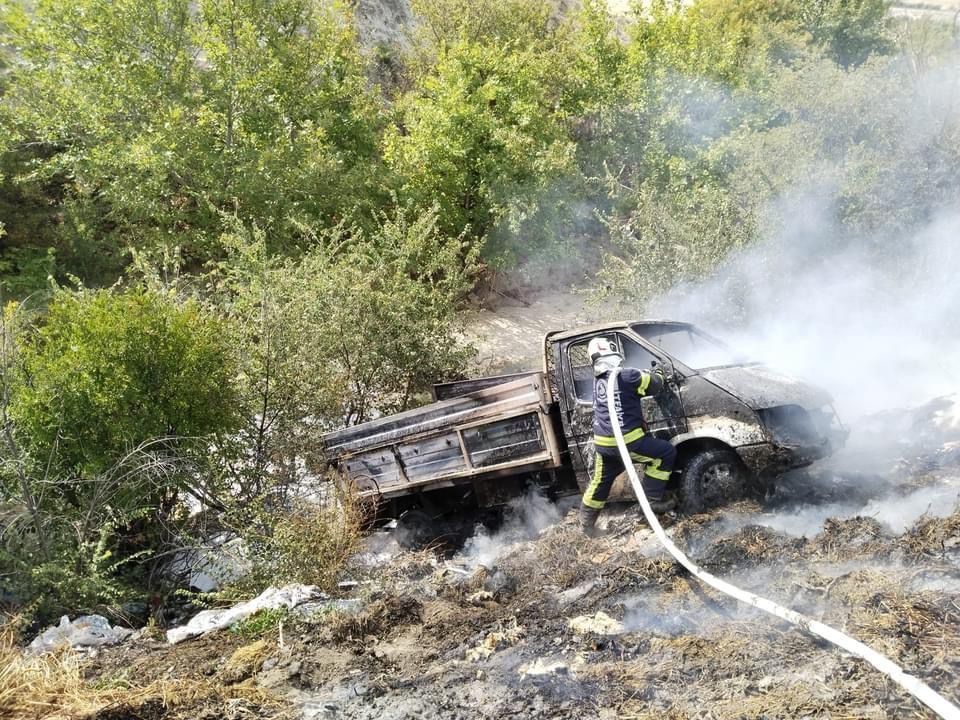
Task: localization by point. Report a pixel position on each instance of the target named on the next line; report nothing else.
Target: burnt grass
(442, 638)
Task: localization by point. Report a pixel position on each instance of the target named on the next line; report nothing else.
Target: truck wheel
(415, 530)
(712, 478)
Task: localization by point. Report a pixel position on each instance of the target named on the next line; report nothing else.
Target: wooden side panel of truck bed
(497, 430)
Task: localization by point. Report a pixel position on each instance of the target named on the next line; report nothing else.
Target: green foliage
(71, 575)
(486, 21)
(260, 623)
(359, 324)
(883, 144)
(478, 133)
(105, 407)
(108, 371)
(25, 269)
(671, 237)
(307, 541)
(849, 30)
(156, 117)
(723, 41)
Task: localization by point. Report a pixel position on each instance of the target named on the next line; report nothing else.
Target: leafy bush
(849, 30)
(477, 134)
(306, 541)
(133, 140)
(361, 324)
(107, 371)
(106, 404)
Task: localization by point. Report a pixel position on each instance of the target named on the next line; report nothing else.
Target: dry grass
(932, 537)
(247, 660)
(380, 618)
(53, 687)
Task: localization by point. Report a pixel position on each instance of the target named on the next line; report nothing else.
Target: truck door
(664, 413)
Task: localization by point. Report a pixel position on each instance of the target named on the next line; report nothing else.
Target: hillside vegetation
(228, 226)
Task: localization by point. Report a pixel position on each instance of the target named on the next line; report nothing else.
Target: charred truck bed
(505, 429)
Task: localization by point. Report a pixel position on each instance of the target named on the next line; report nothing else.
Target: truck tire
(416, 530)
(712, 478)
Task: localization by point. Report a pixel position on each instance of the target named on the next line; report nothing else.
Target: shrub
(308, 541)
(107, 371)
(105, 409)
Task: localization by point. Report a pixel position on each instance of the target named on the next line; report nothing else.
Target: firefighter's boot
(663, 505)
(588, 521)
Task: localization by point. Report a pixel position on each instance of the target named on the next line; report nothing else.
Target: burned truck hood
(759, 387)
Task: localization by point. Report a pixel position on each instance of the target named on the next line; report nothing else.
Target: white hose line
(916, 687)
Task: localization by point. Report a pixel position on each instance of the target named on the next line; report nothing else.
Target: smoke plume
(524, 519)
(872, 314)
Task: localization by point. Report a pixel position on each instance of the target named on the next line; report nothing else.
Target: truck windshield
(693, 348)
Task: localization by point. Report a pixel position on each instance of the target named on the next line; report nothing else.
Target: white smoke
(896, 512)
(875, 336)
(874, 317)
(525, 518)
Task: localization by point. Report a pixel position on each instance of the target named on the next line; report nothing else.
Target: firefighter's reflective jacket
(633, 384)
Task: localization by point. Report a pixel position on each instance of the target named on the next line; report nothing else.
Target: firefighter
(657, 455)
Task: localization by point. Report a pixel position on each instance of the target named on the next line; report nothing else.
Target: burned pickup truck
(485, 441)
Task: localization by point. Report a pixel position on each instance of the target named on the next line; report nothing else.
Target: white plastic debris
(288, 596)
(542, 666)
(87, 631)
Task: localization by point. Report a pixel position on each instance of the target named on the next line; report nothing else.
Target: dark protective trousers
(658, 456)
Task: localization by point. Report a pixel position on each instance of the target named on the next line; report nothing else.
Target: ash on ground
(552, 625)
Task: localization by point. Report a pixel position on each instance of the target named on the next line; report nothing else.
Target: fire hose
(916, 687)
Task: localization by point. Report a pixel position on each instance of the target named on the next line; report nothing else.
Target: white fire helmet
(604, 355)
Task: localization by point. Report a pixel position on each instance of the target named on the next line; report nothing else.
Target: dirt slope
(538, 622)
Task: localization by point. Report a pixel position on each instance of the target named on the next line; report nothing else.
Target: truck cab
(730, 420)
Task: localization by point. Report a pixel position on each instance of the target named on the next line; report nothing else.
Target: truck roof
(615, 325)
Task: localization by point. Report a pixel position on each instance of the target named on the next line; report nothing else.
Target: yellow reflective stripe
(605, 441)
(657, 473)
(594, 484)
(644, 383)
(652, 468)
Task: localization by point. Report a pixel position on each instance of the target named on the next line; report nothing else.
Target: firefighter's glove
(666, 377)
(666, 374)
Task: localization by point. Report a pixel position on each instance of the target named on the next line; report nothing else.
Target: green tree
(723, 41)
(849, 30)
(107, 371)
(510, 102)
(479, 132)
(490, 21)
(360, 325)
(148, 120)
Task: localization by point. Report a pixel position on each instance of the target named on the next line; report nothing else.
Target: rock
(568, 597)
